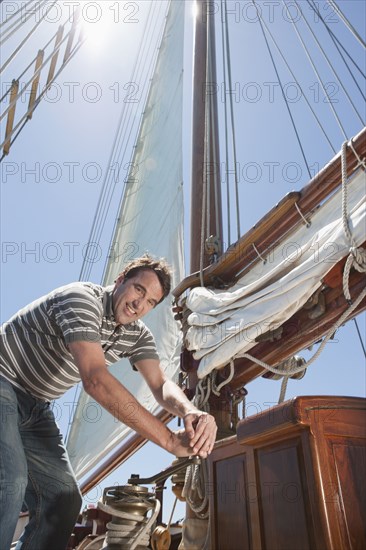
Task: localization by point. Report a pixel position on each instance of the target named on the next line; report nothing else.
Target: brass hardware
(160, 538)
(132, 499)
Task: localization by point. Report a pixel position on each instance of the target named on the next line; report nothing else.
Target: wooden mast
(205, 180)
(205, 151)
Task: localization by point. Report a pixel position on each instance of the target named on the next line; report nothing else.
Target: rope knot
(359, 258)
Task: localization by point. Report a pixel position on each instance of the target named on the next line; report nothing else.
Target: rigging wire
(21, 23)
(32, 62)
(359, 336)
(23, 121)
(207, 149)
(334, 150)
(330, 64)
(210, 154)
(22, 7)
(347, 22)
(18, 49)
(228, 210)
(35, 74)
(318, 76)
(217, 171)
(283, 93)
(232, 125)
(339, 45)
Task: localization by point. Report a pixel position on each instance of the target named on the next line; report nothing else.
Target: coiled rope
(194, 490)
(133, 531)
(196, 478)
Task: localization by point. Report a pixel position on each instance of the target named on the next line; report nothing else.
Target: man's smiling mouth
(130, 309)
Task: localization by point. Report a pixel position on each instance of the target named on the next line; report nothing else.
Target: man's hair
(158, 265)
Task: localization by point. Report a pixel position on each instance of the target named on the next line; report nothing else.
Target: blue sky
(52, 178)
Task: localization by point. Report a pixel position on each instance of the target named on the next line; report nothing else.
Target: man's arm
(200, 426)
(100, 384)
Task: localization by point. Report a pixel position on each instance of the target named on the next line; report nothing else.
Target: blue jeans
(35, 469)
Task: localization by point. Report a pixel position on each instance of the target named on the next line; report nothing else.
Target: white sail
(151, 220)
(227, 323)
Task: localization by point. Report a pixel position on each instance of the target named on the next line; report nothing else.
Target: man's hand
(201, 429)
(179, 444)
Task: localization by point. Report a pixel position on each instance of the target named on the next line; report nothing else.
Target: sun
(98, 22)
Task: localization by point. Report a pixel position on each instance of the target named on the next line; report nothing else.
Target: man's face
(136, 296)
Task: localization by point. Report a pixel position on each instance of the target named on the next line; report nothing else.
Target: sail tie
(216, 389)
(207, 385)
(361, 162)
(306, 222)
(259, 254)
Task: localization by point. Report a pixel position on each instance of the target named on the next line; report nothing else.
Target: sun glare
(98, 24)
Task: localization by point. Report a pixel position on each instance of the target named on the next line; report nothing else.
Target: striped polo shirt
(34, 353)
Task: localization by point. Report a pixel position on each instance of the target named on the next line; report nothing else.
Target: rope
(194, 489)
(195, 483)
(356, 259)
(329, 334)
(357, 256)
(203, 392)
(207, 385)
(136, 529)
(306, 222)
(361, 162)
(283, 389)
(259, 254)
(216, 389)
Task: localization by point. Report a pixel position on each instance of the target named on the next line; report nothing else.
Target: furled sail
(150, 220)
(226, 323)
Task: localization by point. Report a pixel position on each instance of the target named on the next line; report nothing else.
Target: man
(72, 334)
